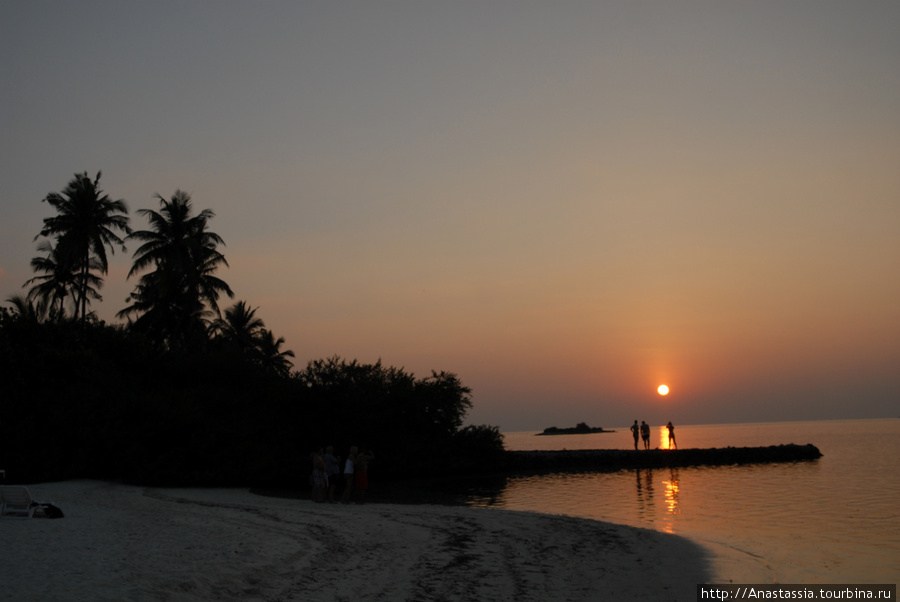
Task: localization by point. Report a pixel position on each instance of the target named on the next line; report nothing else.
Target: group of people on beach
(326, 471)
(643, 431)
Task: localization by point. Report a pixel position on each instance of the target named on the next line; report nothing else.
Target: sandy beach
(120, 542)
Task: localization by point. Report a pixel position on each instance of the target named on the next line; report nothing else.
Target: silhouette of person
(636, 431)
(332, 470)
(362, 475)
(348, 475)
(319, 477)
(645, 434)
(671, 427)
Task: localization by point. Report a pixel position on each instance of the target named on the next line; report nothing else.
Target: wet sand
(121, 542)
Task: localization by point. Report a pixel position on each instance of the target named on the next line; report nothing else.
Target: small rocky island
(580, 429)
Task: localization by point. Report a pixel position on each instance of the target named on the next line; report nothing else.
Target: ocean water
(833, 520)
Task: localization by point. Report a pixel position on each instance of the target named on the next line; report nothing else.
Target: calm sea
(833, 520)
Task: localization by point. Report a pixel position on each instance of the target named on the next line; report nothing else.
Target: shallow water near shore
(831, 520)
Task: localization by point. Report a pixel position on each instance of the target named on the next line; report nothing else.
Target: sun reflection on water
(809, 536)
(672, 493)
(671, 501)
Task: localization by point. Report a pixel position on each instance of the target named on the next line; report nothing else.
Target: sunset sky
(565, 203)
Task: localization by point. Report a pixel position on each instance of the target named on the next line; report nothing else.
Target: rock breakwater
(614, 459)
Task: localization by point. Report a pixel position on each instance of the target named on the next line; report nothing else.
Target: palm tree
(84, 227)
(58, 283)
(240, 326)
(272, 357)
(176, 299)
(24, 309)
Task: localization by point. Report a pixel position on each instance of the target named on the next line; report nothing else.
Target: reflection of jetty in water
(644, 482)
(646, 508)
(615, 459)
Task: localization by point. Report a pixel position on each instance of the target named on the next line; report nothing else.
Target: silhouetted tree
(85, 225)
(388, 409)
(23, 309)
(240, 327)
(58, 283)
(176, 300)
(271, 355)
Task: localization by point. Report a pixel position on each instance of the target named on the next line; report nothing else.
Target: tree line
(183, 392)
(175, 301)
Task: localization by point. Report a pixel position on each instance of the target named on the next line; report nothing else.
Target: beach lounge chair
(16, 502)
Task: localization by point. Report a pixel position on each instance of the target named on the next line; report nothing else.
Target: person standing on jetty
(671, 427)
(349, 466)
(636, 431)
(645, 434)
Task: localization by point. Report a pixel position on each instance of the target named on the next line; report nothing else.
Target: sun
(663, 390)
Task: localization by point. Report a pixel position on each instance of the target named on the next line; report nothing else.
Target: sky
(566, 204)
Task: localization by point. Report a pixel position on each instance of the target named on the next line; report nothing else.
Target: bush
(96, 401)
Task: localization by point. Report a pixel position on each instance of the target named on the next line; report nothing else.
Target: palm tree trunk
(84, 282)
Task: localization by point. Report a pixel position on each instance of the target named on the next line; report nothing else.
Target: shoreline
(120, 542)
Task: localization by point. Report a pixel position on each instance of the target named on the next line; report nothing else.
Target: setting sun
(663, 390)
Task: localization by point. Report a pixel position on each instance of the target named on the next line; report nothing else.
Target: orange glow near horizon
(663, 438)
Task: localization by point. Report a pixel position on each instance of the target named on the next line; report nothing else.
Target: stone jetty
(615, 459)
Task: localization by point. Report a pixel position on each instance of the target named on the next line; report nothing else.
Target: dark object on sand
(47, 510)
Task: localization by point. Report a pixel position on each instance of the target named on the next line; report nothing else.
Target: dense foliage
(182, 394)
(91, 400)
